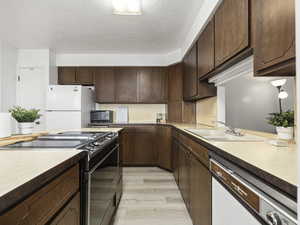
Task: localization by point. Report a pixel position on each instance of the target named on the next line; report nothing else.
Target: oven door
(102, 189)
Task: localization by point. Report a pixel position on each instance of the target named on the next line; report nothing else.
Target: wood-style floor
(151, 197)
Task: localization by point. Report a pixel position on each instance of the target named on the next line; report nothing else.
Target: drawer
(38, 208)
(199, 151)
(145, 129)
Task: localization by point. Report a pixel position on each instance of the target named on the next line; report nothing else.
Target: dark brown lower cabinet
(200, 193)
(44, 205)
(184, 175)
(164, 143)
(70, 215)
(175, 160)
(190, 168)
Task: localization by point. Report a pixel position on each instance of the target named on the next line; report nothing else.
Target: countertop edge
(17, 195)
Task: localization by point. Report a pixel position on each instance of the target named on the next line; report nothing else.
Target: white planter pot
(25, 128)
(286, 133)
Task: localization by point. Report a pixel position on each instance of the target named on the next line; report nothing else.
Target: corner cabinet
(274, 38)
(232, 33)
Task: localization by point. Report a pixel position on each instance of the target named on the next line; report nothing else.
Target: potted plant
(25, 118)
(284, 123)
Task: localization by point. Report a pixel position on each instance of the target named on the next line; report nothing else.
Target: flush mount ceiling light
(278, 83)
(127, 7)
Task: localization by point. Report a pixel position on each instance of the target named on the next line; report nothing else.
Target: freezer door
(63, 120)
(64, 97)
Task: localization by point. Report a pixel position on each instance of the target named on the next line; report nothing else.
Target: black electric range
(92, 142)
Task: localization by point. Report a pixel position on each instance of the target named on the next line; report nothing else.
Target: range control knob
(273, 218)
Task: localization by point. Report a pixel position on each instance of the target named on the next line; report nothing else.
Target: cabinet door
(190, 77)
(126, 85)
(231, 29)
(105, 85)
(85, 75)
(70, 214)
(175, 111)
(164, 147)
(67, 76)
(206, 50)
(145, 150)
(200, 193)
(175, 159)
(175, 73)
(127, 145)
(184, 175)
(275, 37)
(152, 85)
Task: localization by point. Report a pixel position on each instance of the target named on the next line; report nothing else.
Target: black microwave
(102, 116)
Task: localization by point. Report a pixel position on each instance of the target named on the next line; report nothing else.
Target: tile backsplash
(138, 113)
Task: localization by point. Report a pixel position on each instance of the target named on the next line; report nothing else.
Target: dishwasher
(239, 198)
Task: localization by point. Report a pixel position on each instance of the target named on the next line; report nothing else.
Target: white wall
(8, 76)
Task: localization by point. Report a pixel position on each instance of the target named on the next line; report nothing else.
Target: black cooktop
(49, 144)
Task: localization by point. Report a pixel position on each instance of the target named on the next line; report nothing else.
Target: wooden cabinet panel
(206, 90)
(184, 175)
(175, 111)
(33, 210)
(145, 152)
(105, 85)
(190, 76)
(175, 159)
(126, 85)
(206, 50)
(67, 75)
(231, 29)
(152, 85)
(200, 193)
(175, 73)
(164, 144)
(274, 52)
(85, 75)
(70, 215)
(127, 146)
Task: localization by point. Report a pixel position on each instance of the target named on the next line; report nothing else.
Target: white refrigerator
(69, 106)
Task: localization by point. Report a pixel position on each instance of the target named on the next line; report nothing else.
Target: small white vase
(286, 133)
(25, 128)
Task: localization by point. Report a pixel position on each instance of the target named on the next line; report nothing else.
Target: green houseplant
(25, 118)
(284, 123)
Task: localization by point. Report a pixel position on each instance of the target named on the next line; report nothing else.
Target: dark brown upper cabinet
(274, 53)
(67, 75)
(206, 50)
(126, 85)
(75, 75)
(85, 75)
(152, 85)
(232, 33)
(190, 78)
(105, 85)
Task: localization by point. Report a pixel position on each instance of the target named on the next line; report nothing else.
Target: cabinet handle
(220, 174)
(239, 190)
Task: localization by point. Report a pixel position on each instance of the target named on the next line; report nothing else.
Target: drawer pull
(239, 189)
(220, 174)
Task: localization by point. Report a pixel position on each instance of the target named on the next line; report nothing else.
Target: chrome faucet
(229, 129)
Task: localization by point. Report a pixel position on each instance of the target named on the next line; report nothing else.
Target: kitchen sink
(219, 135)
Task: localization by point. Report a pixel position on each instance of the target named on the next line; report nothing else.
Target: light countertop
(280, 162)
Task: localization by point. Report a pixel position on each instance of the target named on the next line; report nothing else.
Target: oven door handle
(102, 160)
